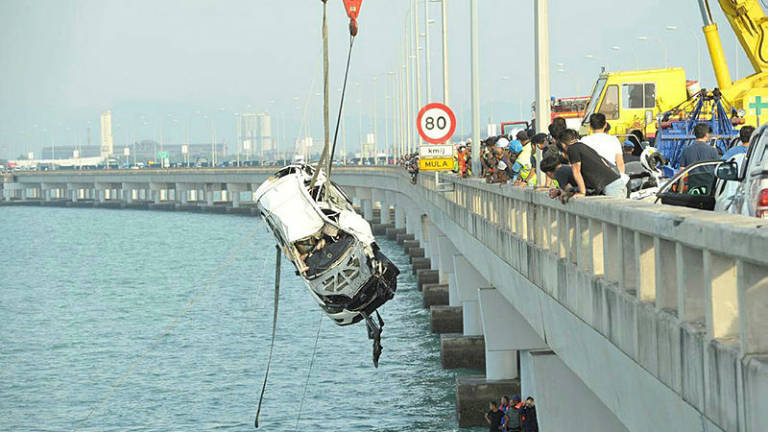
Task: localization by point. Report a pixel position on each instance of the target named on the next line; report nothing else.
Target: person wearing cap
(523, 172)
(513, 414)
(629, 155)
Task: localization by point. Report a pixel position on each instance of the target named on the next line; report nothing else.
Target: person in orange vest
(463, 159)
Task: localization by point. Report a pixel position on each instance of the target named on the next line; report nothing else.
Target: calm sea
(152, 321)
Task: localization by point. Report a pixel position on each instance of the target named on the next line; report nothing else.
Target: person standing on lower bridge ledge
(495, 417)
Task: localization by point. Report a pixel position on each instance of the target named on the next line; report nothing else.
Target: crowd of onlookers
(512, 415)
(573, 165)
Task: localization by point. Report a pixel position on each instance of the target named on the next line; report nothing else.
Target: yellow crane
(633, 100)
(749, 23)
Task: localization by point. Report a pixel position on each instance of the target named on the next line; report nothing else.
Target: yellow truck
(632, 100)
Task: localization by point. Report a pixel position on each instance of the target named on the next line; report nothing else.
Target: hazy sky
(174, 65)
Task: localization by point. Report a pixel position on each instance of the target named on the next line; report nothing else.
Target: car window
(610, 106)
(638, 96)
(697, 179)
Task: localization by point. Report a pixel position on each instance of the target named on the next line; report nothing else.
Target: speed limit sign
(436, 123)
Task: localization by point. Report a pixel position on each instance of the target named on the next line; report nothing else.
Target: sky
(175, 67)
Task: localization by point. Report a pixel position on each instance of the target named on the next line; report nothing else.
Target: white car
(750, 177)
(331, 246)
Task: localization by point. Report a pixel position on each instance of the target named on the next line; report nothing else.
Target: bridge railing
(704, 268)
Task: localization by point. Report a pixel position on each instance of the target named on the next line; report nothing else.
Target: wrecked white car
(330, 245)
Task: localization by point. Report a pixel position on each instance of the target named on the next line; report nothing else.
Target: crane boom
(750, 25)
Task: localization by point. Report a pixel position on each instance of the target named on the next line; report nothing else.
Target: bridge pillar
(445, 260)
(555, 388)
(181, 194)
(209, 195)
(73, 192)
(234, 192)
(506, 331)
(367, 206)
(468, 282)
(127, 193)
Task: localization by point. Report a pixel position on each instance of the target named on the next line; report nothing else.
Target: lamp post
(475, 46)
(663, 47)
(698, 49)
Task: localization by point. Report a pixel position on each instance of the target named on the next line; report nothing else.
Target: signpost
(436, 123)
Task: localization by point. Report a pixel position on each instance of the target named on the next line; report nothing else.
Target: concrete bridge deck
(615, 315)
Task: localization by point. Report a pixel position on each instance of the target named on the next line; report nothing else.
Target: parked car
(750, 197)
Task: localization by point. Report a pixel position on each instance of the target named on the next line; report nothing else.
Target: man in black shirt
(494, 417)
(701, 149)
(590, 170)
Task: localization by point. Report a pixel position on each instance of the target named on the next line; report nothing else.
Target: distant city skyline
(195, 64)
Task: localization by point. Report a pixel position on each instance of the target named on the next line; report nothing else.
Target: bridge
(615, 315)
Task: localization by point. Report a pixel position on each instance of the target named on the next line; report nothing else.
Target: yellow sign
(438, 164)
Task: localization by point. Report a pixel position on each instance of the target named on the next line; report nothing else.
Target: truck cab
(632, 100)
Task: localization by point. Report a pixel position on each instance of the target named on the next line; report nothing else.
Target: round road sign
(436, 123)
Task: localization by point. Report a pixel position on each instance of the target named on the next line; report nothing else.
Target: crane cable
(328, 150)
(278, 257)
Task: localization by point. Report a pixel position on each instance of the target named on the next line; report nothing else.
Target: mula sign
(437, 164)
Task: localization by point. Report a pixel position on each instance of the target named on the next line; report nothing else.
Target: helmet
(650, 159)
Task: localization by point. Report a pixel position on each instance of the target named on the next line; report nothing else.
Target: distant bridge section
(614, 314)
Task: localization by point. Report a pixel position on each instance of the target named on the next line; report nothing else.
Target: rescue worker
(523, 171)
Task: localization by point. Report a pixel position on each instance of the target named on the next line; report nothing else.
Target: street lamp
(698, 49)
(663, 47)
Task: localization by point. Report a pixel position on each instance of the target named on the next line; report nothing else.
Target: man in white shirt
(607, 146)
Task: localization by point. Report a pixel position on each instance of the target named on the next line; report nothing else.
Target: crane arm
(750, 25)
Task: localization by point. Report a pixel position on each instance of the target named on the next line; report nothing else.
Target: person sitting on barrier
(590, 170)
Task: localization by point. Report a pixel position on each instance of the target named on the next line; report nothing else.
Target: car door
(692, 187)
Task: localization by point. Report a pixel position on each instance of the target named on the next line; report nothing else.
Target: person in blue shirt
(744, 135)
(701, 149)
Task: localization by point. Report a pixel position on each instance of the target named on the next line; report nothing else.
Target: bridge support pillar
(467, 283)
(73, 192)
(367, 206)
(209, 194)
(554, 387)
(234, 192)
(445, 260)
(400, 213)
(127, 193)
(182, 194)
(506, 331)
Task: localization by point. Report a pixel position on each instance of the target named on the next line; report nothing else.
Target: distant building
(255, 136)
(107, 143)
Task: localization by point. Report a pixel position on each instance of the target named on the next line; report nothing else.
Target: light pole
(427, 51)
(375, 118)
(417, 105)
(446, 99)
(475, 46)
(663, 47)
(698, 49)
(543, 113)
